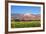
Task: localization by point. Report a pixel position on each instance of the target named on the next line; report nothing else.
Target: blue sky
(25, 9)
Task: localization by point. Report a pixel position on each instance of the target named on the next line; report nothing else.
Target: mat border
(6, 16)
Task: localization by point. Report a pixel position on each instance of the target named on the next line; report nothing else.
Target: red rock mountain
(26, 16)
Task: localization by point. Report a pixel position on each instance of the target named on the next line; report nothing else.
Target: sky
(25, 9)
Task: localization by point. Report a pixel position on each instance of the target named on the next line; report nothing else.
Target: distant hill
(26, 16)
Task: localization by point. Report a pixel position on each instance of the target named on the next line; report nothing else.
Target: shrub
(23, 24)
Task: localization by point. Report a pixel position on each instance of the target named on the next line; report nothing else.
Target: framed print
(24, 16)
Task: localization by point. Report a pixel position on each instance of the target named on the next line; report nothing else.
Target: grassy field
(25, 24)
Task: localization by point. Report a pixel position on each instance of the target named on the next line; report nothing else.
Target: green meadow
(25, 24)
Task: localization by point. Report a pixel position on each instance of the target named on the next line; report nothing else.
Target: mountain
(26, 16)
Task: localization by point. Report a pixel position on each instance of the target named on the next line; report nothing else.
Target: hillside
(26, 16)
